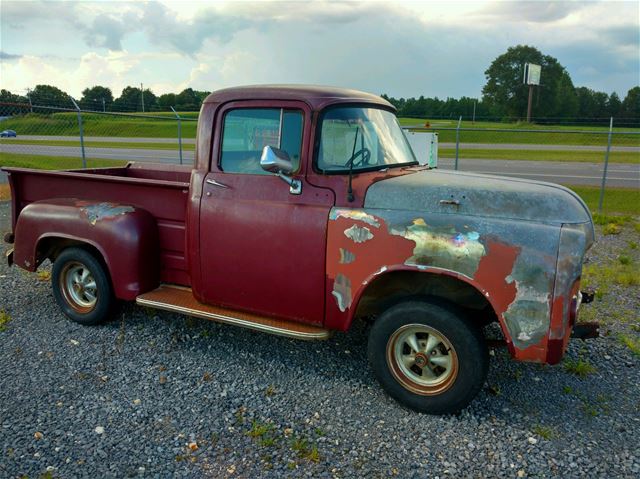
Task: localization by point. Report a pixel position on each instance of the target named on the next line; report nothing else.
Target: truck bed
(162, 190)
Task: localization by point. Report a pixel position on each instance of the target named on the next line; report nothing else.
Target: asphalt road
(576, 173)
(464, 146)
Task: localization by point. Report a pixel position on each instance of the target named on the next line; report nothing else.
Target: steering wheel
(366, 156)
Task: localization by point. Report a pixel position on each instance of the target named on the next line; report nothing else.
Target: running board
(180, 300)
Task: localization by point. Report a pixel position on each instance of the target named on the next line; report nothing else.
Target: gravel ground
(156, 394)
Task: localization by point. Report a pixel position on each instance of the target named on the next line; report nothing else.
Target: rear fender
(126, 237)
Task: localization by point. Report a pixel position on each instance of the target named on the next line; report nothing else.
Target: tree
(131, 100)
(47, 95)
(166, 101)
(614, 105)
(97, 98)
(7, 97)
(631, 104)
(565, 104)
(505, 94)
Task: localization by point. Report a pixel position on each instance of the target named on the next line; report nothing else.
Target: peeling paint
(101, 211)
(358, 215)
(342, 292)
(346, 256)
(443, 247)
(358, 234)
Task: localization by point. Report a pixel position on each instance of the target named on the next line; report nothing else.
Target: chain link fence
(53, 137)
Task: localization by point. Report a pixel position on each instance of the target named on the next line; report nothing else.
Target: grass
(541, 155)
(98, 125)
(630, 342)
(263, 432)
(5, 192)
(5, 319)
(614, 272)
(545, 432)
(304, 450)
(562, 137)
(104, 144)
(619, 200)
(43, 162)
(579, 367)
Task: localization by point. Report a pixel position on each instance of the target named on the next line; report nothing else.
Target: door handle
(215, 183)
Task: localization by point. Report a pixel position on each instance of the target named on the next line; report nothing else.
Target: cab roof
(317, 97)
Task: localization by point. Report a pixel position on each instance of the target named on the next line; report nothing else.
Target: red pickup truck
(305, 210)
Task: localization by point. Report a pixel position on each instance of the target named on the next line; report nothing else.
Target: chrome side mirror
(277, 161)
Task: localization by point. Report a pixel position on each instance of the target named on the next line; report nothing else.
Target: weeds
(604, 220)
(630, 342)
(633, 244)
(611, 229)
(270, 391)
(624, 259)
(301, 446)
(43, 275)
(545, 432)
(264, 432)
(579, 367)
(5, 319)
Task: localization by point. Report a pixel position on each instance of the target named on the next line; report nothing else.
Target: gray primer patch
(342, 292)
(102, 211)
(357, 234)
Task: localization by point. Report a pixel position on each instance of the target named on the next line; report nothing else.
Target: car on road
(304, 211)
(8, 134)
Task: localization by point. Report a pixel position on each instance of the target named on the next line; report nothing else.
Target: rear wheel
(428, 356)
(82, 287)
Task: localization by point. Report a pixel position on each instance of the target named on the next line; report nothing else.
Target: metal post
(529, 103)
(142, 96)
(84, 158)
(606, 165)
(103, 107)
(179, 132)
(457, 142)
(29, 97)
(474, 112)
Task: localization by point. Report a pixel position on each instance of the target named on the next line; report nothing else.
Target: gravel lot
(156, 394)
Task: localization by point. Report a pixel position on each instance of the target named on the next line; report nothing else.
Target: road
(463, 146)
(576, 173)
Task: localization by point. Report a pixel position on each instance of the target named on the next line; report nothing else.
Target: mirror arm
(295, 186)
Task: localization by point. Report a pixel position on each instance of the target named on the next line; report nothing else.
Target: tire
(81, 287)
(451, 362)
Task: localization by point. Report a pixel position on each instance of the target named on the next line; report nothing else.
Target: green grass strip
(104, 144)
(542, 155)
(616, 200)
(42, 162)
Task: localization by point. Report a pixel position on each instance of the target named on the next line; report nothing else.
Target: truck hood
(471, 194)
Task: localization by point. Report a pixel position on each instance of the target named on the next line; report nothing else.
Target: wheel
(82, 287)
(428, 356)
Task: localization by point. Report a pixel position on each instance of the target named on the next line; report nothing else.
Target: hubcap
(422, 359)
(79, 287)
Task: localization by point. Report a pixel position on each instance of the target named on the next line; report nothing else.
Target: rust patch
(102, 211)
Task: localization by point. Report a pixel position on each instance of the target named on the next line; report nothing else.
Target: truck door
(262, 248)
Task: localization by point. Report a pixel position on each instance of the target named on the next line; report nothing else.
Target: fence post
(457, 142)
(179, 132)
(84, 158)
(606, 165)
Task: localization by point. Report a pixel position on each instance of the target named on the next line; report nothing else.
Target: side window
(247, 131)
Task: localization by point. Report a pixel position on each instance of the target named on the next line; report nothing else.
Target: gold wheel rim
(422, 359)
(78, 287)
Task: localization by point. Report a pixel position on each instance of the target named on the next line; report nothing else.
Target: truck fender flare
(125, 236)
(386, 271)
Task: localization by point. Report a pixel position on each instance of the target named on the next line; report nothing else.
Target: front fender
(126, 237)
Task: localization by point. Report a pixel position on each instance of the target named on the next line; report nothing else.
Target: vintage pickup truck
(305, 210)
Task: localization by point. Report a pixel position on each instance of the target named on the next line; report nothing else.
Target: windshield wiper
(350, 196)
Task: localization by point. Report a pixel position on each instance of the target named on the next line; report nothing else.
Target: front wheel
(82, 287)
(428, 356)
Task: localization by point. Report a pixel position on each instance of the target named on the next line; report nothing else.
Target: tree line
(504, 97)
(100, 98)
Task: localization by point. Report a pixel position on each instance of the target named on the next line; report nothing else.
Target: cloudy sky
(400, 48)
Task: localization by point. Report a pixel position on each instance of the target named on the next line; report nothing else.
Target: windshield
(365, 138)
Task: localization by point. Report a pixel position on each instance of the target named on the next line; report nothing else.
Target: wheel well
(51, 247)
(396, 286)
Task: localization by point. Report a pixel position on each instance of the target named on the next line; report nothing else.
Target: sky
(401, 48)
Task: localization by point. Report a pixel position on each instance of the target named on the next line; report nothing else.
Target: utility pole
(142, 96)
(103, 107)
(29, 97)
(529, 104)
(474, 112)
